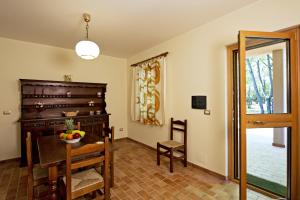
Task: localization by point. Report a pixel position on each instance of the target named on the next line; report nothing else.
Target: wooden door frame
(230, 50)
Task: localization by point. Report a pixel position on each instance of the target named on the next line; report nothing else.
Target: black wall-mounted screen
(199, 102)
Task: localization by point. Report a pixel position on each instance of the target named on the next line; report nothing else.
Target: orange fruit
(69, 137)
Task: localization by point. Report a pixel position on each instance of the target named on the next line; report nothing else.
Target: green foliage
(69, 124)
(259, 92)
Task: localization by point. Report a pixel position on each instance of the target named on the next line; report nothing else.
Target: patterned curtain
(148, 92)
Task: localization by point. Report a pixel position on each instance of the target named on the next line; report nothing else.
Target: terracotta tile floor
(137, 177)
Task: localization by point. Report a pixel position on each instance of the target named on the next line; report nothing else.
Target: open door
(268, 110)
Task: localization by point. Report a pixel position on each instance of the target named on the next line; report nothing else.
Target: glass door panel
(267, 76)
(267, 159)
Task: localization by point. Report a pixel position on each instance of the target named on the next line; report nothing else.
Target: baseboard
(144, 145)
(216, 174)
(11, 159)
(120, 139)
(220, 176)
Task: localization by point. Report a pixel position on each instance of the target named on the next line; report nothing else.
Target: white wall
(197, 66)
(33, 61)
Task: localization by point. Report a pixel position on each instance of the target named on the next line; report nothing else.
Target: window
(148, 92)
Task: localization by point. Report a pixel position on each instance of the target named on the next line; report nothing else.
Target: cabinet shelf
(39, 96)
(55, 106)
(43, 103)
(57, 84)
(78, 117)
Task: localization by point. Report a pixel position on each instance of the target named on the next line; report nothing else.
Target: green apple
(82, 133)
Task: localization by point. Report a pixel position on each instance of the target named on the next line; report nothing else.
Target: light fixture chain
(87, 31)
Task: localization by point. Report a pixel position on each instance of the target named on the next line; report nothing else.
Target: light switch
(6, 112)
(206, 112)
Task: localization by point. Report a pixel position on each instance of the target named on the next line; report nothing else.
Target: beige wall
(197, 66)
(32, 61)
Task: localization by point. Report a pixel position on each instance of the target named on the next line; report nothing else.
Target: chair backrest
(110, 133)
(180, 126)
(94, 153)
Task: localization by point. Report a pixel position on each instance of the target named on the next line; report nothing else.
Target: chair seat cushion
(171, 144)
(39, 173)
(84, 179)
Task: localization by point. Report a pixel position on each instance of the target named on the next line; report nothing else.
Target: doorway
(263, 100)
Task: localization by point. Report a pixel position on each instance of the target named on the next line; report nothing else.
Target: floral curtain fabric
(148, 92)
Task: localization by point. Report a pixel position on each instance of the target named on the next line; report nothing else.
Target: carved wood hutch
(43, 103)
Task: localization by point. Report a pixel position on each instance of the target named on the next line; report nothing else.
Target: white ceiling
(121, 27)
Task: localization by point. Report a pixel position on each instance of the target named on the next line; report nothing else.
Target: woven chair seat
(171, 144)
(98, 169)
(84, 179)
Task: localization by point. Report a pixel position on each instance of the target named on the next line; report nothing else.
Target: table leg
(52, 181)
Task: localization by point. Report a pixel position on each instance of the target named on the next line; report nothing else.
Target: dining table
(52, 155)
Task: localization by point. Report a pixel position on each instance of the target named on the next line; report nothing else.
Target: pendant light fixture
(87, 49)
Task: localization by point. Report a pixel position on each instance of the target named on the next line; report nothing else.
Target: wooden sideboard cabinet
(43, 103)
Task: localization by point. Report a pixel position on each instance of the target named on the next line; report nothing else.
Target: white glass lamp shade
(87, 50)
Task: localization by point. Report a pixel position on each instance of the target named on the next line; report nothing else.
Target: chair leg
(185, 158)
(171, 160)
(94, 194)
(158, 154)
(30, 190)
(112, 170)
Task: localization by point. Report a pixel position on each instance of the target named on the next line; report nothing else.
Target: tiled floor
(137, 177)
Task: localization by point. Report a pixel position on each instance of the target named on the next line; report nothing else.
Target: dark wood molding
(160, 55)
(59, 83)
(121, 139)
(220, 176)
(10, 160)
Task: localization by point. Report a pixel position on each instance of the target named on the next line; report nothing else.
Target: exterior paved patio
(263, 159)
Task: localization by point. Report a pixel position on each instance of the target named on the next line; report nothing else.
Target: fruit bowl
(72, 136)
(72, 141)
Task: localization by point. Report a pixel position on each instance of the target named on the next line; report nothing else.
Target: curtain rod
(160, 55)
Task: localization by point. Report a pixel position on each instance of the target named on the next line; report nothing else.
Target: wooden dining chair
(61, 128)
(36, 175)
(86, 181)
(172, 148)
(110, 133)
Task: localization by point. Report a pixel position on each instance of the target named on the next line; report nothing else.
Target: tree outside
(259, 84)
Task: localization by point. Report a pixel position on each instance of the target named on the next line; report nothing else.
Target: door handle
(256, 122)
